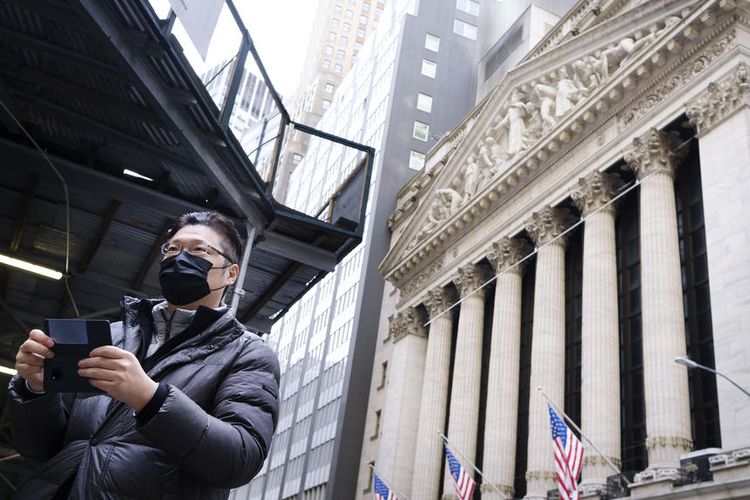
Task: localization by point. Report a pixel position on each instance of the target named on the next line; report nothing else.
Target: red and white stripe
(568, 460)
(465, 485)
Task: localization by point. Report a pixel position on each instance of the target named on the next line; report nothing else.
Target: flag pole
(584, 436)
(484, 479)
(400, 495)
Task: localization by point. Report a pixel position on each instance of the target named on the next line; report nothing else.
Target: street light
(684, 360)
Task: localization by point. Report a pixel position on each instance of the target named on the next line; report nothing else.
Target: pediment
(537, 108)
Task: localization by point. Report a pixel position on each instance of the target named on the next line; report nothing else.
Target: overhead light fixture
(7, 371)
(29, 267)
(133, 173)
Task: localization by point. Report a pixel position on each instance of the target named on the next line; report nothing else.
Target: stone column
(502, 394)
(429, 455)
(600, 335)
(467, 368)
(654, 158)
(547, 345)
(397, 446)
(722, 116)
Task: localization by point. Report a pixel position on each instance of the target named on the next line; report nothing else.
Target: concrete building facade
(579, 230)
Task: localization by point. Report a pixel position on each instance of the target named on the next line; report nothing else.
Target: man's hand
(30, 359)
(118, 373)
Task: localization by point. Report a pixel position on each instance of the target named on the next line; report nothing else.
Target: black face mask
(184, 278)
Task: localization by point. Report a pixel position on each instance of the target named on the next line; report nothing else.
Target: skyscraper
(414, 79)
(339, 33)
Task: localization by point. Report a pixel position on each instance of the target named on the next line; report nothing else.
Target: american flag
(383, 492)
(568, 456)
(463, 481)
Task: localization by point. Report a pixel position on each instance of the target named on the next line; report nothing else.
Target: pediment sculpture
(532, 110)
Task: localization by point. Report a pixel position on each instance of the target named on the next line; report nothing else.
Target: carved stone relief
(532, 110)
(470, 278)
(595, 190)
(506, 252)
(438, 300)
(719, 100)
(548, 224)
(655, 151)
(420, 280)
(406, 322)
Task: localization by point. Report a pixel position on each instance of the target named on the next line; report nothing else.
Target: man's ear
(234, 271)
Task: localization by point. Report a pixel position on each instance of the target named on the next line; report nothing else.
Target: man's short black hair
(231, 244)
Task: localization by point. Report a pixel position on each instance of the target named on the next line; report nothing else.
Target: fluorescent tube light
(133, 173)
(28, 266)
(8, 371)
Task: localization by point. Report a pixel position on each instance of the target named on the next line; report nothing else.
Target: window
(348, 14)
(432, 42)
(360, 32)
(464, 29)
(424, 102)
(329, 88)
(331, 36)
(296, 159)
(377, 425)
(470, 6)
(366, 7)
(337, 10)
(362, 19)
(421, 131)
(326, 63)
(337, 69)
(347, 27)
(328, 50)
(325, 104)
(384, 371)
(371, 479)
(429, 68)
(340, 54)
(344, 40)
(334, 23)
(416, 160)
(351, 2)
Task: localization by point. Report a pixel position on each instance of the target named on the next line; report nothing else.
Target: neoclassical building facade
(583, 227)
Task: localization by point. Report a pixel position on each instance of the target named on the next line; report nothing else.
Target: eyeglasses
(198, 249)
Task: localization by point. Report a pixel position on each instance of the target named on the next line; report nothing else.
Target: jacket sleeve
(227, 447)
(38, 422)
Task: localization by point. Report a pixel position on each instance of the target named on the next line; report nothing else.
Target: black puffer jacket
(211, 434)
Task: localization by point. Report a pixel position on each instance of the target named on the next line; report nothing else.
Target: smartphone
(74, 340)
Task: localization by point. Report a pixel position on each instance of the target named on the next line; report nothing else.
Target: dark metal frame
(248, 47)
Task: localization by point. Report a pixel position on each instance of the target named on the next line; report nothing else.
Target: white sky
(280, 30)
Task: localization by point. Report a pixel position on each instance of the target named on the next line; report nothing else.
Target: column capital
(595, 190)
(406, 322)
(548, 224)
(469, 278)
(655, 151)
(438, 300)
(720, 100)
(506, 252)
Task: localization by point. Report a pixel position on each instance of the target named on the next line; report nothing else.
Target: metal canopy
(103, 87)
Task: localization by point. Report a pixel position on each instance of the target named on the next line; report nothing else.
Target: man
(190, 397)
